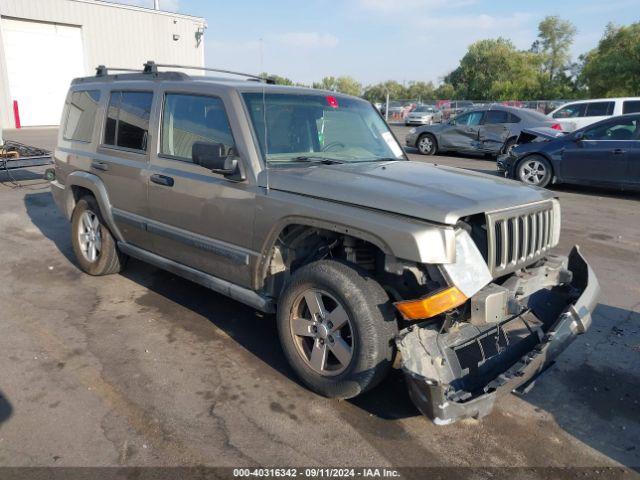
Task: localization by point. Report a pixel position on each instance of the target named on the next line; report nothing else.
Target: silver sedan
(423, 115)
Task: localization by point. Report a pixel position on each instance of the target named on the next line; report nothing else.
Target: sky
(377, 40)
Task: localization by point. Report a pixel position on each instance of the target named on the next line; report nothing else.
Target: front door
(198, 218)
(462, 133)
(601, 155)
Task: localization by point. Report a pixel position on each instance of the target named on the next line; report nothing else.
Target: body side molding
(241, 294)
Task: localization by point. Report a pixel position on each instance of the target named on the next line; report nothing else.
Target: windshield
(312, 127)
(424, 109)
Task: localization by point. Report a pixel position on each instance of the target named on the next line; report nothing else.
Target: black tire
(509, 144)
(427, 144)
(534, 163)
(371, 320)
(109, 259)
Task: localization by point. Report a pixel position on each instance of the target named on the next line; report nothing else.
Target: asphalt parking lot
(144, 368)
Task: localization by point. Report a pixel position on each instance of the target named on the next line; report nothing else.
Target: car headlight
(413, 130)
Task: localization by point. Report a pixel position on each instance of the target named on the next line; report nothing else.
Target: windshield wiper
(316, 159)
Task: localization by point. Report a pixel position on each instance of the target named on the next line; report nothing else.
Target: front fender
(94, 184)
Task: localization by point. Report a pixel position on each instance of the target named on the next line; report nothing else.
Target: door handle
(100, 165)
(162, 180)
(619, 151)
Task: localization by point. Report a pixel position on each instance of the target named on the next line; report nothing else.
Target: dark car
(490, 130)
(605, 154)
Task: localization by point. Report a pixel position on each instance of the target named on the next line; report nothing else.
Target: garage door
(42, 58)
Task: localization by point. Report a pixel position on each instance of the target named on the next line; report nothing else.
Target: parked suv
(301, 202)
(576, 115)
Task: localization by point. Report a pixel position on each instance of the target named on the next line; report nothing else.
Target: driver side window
(622, 129)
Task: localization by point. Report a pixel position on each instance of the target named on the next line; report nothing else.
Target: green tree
(495, 70)
(421, 91)
(555, 37)
(327, 83)
(378, 92)
(613, 67)
(445, 91)
(348, 86)
(344, 84)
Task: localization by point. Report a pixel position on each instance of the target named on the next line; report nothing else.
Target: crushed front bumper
(460, 374)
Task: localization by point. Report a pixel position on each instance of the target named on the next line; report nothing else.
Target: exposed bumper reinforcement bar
(449, 392)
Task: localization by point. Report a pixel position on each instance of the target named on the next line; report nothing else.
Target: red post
(16, 113)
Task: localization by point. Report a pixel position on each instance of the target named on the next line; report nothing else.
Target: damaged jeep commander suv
(302, 203)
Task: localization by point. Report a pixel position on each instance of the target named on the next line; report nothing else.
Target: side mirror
(212, 157)
(578, 136)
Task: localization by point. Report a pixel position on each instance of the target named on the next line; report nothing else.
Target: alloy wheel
(322, 332)
(425, 145)
(89, 236)
(532, 172)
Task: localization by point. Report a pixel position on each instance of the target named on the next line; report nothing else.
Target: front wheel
(534, 170)
(336, 327)
(427, 144)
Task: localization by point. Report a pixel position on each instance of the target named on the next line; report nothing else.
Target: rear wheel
(336, 328)
(427, 144)
(94, 246)
(534, 170)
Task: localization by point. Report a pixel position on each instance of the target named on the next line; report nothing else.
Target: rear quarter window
(631, 106)
(82, 108)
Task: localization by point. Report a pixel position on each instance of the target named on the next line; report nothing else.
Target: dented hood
(421, 190)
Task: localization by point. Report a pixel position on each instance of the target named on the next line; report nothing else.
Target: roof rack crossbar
(152, 67)
(102, 70)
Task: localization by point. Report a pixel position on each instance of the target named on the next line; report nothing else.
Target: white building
(44, 44)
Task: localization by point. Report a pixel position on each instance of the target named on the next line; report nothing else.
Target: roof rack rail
(152, 67)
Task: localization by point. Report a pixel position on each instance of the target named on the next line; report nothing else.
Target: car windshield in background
(424, 109)
(308, 128)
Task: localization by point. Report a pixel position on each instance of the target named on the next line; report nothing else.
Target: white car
(578, 114)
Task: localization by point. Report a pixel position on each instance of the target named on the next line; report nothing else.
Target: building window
(187, 119)
(128, 120)
(81, 115)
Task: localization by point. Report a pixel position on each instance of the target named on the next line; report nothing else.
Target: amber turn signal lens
(431, 306)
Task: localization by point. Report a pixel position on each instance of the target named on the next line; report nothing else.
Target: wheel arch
(80, 183)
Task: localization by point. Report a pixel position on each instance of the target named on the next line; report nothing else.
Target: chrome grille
(518, 237)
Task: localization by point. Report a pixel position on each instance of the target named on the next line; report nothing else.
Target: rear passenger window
(81, 115)
(631, 106)
(187, 119)
(513, 118)
(128, 120)
(496, 116)
(599, 109)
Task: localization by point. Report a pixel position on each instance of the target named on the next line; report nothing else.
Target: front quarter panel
(401, 237)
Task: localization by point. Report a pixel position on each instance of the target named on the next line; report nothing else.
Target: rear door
(601, 156)
(199, 218)
(462, 135)
(494, 131)
(122, 160)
